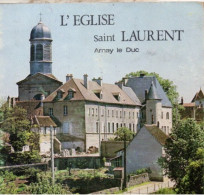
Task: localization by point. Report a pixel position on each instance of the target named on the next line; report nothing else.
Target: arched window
(167, 115)
(39, 52)
(32, 53)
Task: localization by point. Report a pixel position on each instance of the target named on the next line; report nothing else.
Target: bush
(140, 171)
(165, 191)
(44, 186)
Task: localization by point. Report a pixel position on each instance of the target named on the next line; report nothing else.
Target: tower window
(167, 115)
(47, 52)
(32, 53)
(39, 52)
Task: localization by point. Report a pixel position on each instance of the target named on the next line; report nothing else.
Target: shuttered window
(47, 52)
(39, 52)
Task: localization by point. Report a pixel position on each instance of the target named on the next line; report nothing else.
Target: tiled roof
(51, 76)
(82, 93)
(198, 96)
(140, 84)
(44, 121)
(157, 133)
(131, 94)
(32, 107)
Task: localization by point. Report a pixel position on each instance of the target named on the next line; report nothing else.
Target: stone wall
(137, 179)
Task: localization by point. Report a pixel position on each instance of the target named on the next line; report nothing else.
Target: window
(92, 111)
(113, 127)
(102, 112)
(47, 52)
(130, 126)
(32, 53)
(133, 127)
(129, 115)
(97, 127)
(108, 127)
(116, 114)
(165, 129)
(116, 126)
(162, 115)
(124, 114)
(152, 119)
(65, 110)
(70, 95)
(133, 115)
(112, 113)
(39, 52)
(124, 125)
(120, 114)
(137, 114)
(44, 131)
(96, 112)
(121, 125)
(51, 111)
(108, 113)
(167, 115)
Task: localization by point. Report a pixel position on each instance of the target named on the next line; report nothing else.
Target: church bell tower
(40, 50)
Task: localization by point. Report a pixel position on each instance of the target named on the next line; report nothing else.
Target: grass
(132, 187)
(165, 191)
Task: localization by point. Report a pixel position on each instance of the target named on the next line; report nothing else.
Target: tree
(15, 122)
(169, 89)
(180, 149)
(123, 132)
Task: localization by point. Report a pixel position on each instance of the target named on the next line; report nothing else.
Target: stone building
(91, 111)
(194, 109)
(88, 111)
(156, 107)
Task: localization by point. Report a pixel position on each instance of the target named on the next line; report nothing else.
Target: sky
(73, 46)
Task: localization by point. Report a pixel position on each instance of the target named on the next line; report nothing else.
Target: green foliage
(193, 181)
(123, 133)
(140, 171)
(7, 185)
(165, 191)
(44, 186)
(27, 157)
(169, 88)
(186, 138)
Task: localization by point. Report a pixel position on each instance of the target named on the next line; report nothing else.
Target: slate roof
(159, 135)
(198, 96)
(140, 84)
(131, 94)
(82, 93)
(153, 94)
(50, 76)
(44, 121)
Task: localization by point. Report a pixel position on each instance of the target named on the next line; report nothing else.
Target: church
(86, 111)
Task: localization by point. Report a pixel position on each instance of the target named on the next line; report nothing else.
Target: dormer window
(60, 93)
(99, 94)
(71, 92)
(116, 96)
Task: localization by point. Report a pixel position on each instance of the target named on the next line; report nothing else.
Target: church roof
(83, 93)
(198, 96)
(50, 76)
(40, 31)
(142, 83)
(153, 94)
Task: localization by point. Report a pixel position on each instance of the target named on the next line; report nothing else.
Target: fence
(150, 188)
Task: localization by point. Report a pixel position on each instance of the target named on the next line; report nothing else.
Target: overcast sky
(73, 46)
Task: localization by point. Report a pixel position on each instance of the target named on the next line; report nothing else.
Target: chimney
(181, 100)
(146, 93)
(42, 97)
(142, 74)
(125, 80)
(98, 80)
(86, 81)
(69, 77)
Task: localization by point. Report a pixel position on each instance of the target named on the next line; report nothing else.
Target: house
(90, 111)
(156, 108)
(143, 152)
(194, 109)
